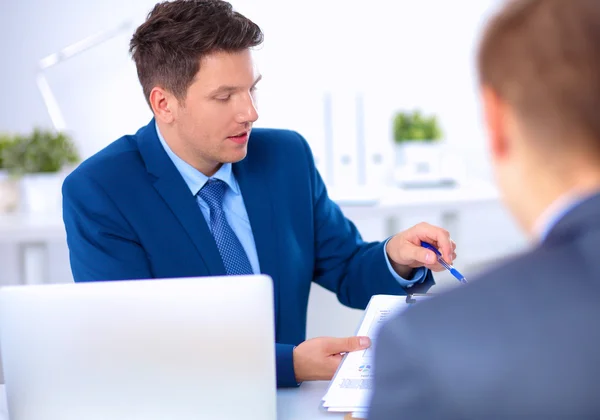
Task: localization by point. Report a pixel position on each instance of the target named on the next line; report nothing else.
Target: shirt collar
(555, 212)
(195, 179)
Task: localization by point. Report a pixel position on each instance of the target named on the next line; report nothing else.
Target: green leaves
(42, 151)
(5, 141)
(415, 127)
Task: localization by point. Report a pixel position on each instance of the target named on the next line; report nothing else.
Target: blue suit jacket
(129, 215)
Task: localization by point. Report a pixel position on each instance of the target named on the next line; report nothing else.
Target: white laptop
(176, 349)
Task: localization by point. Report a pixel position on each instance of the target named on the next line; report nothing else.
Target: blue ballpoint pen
(443, 262)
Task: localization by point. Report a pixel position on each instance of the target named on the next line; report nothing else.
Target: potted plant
(39, 161)
(417, 139)
(411, 127)
(5, 140)
(8, 188)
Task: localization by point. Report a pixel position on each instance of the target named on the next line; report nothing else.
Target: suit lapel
(174, 191)
(254, 185)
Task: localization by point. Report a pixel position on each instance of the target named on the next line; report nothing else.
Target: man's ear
(163, 104)
(494, 109)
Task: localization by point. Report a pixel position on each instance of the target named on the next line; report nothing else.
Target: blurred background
(384, 91)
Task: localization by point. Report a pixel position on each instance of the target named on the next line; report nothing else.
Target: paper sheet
(350, 388)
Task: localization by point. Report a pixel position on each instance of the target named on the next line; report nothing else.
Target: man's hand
(405, 251)
(318, 358)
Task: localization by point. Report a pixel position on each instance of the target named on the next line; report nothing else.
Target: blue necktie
(232, 253)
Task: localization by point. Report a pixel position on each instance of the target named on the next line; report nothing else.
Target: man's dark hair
(543, 58)
(168, 47)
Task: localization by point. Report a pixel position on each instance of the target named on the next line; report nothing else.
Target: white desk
(303, 403)
(3, 409)
(31, 234)
(292, 404)
(356, 203)
(390, 201)
(378, 214)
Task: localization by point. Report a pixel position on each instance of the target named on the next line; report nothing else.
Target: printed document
(350, 388)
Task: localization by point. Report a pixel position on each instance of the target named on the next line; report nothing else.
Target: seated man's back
(520, 342)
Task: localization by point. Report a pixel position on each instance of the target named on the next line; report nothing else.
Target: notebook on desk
(145, 349)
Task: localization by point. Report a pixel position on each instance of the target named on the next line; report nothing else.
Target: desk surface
(292, 404)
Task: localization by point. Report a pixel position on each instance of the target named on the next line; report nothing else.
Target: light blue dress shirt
(558, 210)
(233, 202)
(235, 210)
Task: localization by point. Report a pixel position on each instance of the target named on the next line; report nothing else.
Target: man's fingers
(444, 245)
(452, 253)
(424, 256)
(437, 237)
(347, 344)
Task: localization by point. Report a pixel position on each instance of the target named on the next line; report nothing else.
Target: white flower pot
(9, 193)
(41, 193)
(419, 157)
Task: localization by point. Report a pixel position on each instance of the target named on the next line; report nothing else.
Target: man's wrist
(298, 380)
(403, 271)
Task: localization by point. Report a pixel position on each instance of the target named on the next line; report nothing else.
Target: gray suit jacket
(522, 342)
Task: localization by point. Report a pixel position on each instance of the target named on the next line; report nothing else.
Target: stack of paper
(350, 388)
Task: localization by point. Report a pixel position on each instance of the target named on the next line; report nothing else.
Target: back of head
(168, 47)
(542, 58)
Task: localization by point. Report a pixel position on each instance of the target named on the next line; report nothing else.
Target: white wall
(400, 54)
(95, 90)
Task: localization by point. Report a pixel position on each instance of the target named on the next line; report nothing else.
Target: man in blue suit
(194, 194)
(522, 341)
